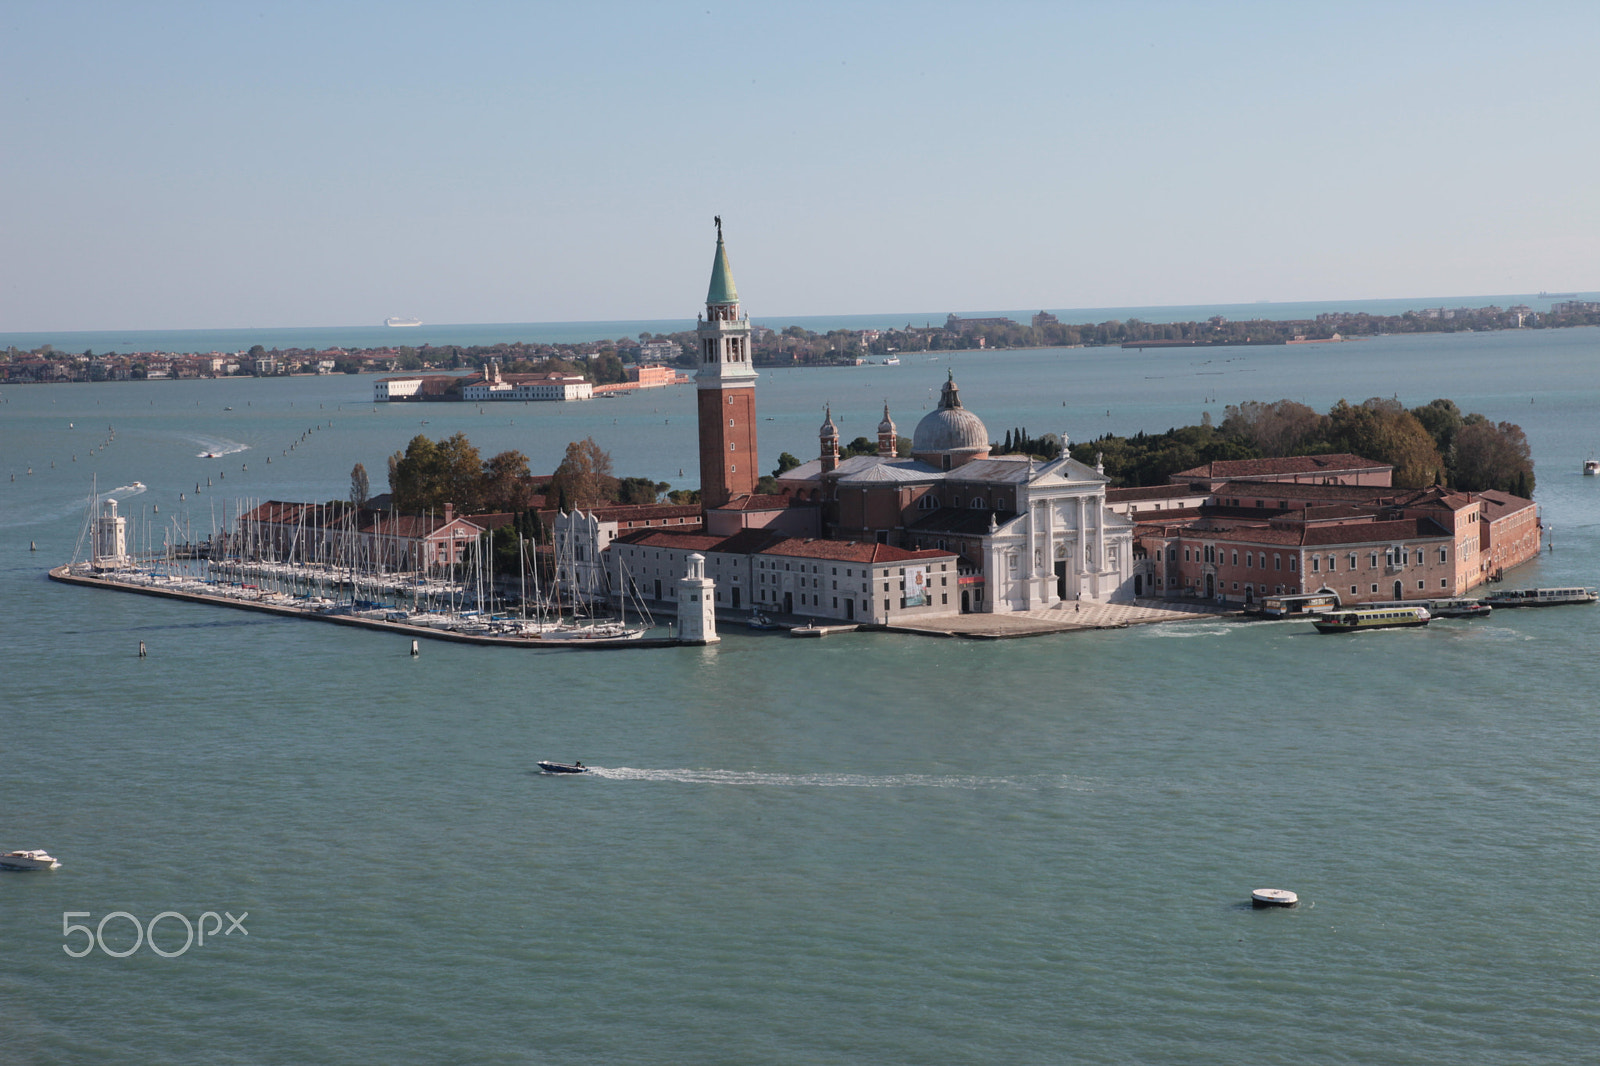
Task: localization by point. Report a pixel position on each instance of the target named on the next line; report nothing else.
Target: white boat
(1540, 597)
(402, 320)
(1591, 467)
(36, 859)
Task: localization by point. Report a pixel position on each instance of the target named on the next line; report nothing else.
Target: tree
(786, 463)
(1274, 429)
(360, 487)
(256, 351)
(637, 490)
(1383, 430)
(1487, 456)
(506, 482)
(582, 478)
(428, 475)
(1442, 419)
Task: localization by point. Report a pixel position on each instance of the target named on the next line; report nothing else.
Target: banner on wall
(916, 586)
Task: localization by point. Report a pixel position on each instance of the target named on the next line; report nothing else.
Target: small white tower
(110, 537)
(697, 620)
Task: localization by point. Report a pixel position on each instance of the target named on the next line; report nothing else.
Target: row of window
(1393, 557)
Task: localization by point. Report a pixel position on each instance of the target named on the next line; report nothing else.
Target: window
(1352, 560)
(1444, 583)
(1444, 555)
(1294, 563)
(730, 401)
(1236, 557)
(1247, 560)
(1421, 585)
(1352, 590)
(1277, 561)
(1316, 563)
(1333, 563)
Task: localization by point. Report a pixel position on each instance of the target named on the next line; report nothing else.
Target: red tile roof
(1289, 464)
(850, 551)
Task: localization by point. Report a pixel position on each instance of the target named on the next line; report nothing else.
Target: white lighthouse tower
(110, 537)
(697, 619)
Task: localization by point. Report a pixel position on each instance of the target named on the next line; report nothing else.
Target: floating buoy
(1273, 897)
(415, 651)
(141, 649)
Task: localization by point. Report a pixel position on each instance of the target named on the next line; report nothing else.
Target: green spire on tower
(722, 289)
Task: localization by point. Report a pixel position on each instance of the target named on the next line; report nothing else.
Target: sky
(216, 165)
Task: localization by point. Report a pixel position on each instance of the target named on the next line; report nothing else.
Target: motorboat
(1591, 467)
(37, 859)
(757, 620)
(562, 768)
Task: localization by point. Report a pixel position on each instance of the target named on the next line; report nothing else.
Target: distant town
(608, 362)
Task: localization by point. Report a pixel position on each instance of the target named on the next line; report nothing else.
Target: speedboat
(36, 859)
(562, 768)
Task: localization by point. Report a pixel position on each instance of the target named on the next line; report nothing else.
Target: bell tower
(726, 386)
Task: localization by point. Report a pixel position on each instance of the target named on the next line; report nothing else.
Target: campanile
(726, 384)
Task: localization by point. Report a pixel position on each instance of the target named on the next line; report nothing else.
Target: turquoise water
(867, 848)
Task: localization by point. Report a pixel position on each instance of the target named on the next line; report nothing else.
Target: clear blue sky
(213, 164)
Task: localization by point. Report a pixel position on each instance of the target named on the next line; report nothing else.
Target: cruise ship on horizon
(402, 321)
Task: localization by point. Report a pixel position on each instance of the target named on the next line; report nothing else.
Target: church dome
(952, 430)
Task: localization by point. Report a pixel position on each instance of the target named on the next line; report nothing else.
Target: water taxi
(1372, 618)
(34, 859)
(1540, 597)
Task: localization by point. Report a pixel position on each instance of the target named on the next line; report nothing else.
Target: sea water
(869, 848)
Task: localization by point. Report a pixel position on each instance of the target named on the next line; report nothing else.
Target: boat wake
(757, 779)
(56, 510)
(216, 447)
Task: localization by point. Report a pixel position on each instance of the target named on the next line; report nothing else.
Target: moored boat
(35, 859)
(1540, 597)
(1464, 607)
(1353, 621)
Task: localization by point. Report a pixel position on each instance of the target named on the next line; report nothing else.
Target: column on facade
(1100, 541)
(1080, 563)
(1049, 550)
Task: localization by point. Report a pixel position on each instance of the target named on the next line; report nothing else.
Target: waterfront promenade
(1065, 618)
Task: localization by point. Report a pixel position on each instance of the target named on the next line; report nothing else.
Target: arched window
(977, 503)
